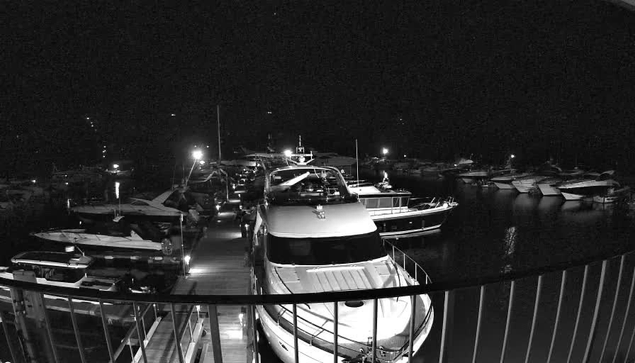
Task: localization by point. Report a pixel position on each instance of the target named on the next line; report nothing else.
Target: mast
(218, 127)
(357, 162)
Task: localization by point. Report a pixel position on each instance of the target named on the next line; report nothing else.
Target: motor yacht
(528, 183)
(56, 269)
(504, 182)
(613, 195)
(549, 186)
(311, 235)
(396, 213)
(138, 241)
(168, 206)
(581, 188)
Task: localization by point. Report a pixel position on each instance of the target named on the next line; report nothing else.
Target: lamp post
(384, 152)
(197, 155)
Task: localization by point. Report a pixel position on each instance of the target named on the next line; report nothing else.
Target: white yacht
(549, 186)
(139, 240)
(582, 188)
(528, 183)
(313, 236)
(504, 182)
(396, 213)
(163, 207)
(56, 269)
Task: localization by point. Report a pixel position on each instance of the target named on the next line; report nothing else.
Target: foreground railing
(578, 312)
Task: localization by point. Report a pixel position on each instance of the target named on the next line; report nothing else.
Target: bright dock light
(197, 154)
(288, 153)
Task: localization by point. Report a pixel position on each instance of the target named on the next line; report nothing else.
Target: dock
(218, 267)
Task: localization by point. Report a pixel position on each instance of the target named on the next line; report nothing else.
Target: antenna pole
(357, 162)
(218, 126)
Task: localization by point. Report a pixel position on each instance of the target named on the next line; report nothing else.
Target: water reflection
(549, 204)
(525, 204)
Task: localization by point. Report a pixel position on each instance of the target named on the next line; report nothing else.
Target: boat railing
(577, 311)
(407, 263)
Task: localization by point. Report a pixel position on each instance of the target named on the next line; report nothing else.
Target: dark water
(494, 231)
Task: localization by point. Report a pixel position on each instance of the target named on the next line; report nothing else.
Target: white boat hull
(281, 340)
(505, 186)
(85, 239)
(549, 190)
(571, 196)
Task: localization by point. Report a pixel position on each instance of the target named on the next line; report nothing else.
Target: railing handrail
(308, 297)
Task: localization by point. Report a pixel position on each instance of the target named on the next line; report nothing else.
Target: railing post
(7, 335)
(617, 292)
(411, 333)
(563, 282)
(628, 308)
(577, 319)
(533, 320)
(374, 342)
(481, 301)
(177, 339)
(296, 348)
(335, 330)
(447, 327)
(510, 304)
(78, 337)
(254, 327)
(104, 324)
(140, 334)
(596, 313)
(49, 333)
(214, 331)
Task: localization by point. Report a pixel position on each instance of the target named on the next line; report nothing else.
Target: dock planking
(218, 268)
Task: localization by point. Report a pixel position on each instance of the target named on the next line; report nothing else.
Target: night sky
(430, 79)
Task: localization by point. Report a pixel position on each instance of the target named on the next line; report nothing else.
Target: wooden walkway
(218, 266)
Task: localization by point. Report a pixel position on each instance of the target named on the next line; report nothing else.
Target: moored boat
(613, 195)
(307, 242)
(549, 186)
(396, 213)
(583, 188)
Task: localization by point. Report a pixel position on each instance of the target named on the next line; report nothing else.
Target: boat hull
(412, 222)
(281, 339)
(572, 196)
(549, 190)
(505, 186)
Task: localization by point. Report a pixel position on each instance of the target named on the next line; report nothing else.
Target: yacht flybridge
(313, 236)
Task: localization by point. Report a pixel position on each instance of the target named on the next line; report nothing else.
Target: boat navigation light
(512, 156)
(33, 181)
(288, 153)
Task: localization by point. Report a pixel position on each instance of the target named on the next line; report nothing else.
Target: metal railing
(571, 312)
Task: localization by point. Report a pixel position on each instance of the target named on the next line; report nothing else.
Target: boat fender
(166, 246)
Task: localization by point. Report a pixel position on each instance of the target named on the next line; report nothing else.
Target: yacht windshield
(325, 251)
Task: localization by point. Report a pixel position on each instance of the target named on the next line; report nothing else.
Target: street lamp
(384, 151)
(196, 155)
